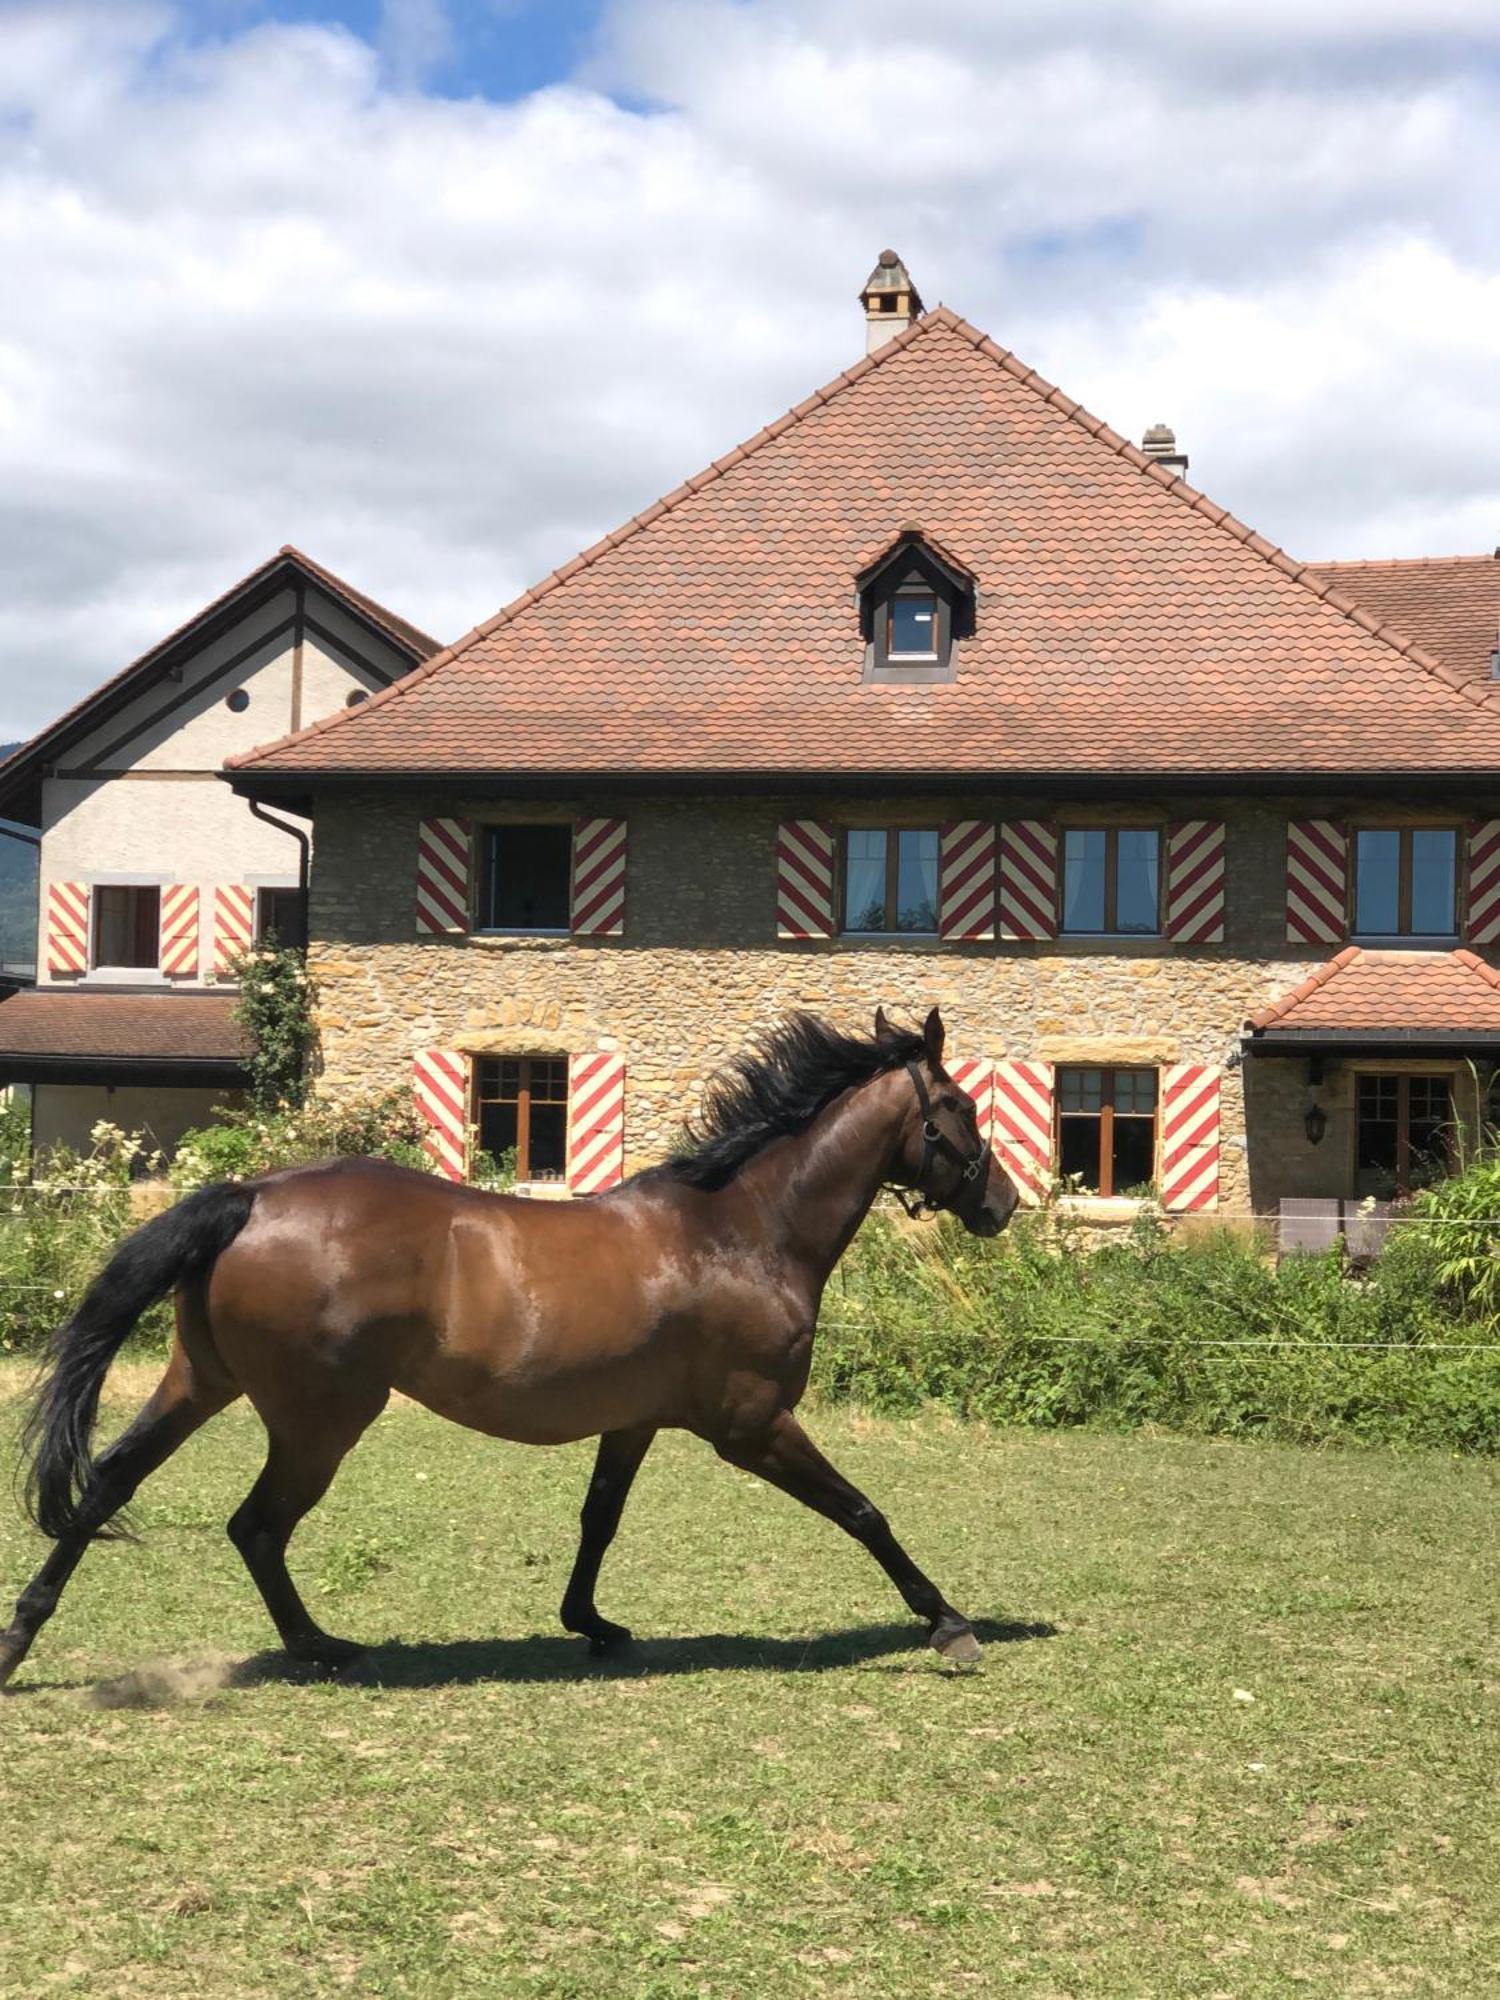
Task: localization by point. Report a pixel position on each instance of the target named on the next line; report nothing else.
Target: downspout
(302, 837)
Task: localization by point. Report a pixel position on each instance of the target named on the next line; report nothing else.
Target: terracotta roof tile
(1125, 621)
(156, 1027)
(1437, 992)
(1449, 604)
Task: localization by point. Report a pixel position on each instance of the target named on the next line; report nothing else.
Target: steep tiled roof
(18, 771)
(1449, 604)
(1125, 622)
(1432, 992)
(146, 1027)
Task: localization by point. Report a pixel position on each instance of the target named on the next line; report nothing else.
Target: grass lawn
(1236, 1733)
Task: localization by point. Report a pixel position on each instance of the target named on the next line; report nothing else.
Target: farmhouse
(154, 877)
(936, 689)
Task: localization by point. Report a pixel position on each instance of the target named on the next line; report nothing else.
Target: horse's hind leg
(619, 1460)
(304, 1455)
(786, 1456)
(182, 1401)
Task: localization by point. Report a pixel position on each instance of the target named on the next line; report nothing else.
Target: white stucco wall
(66, 1113)
(138, 799)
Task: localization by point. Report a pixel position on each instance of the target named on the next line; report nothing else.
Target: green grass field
(1236, 1733)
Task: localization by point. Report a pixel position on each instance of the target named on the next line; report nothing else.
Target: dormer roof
(1131, 627)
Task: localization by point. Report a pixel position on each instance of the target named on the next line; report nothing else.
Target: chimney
(890, 301)
(1160, 443)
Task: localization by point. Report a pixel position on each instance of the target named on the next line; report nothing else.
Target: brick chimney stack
(1160, 443)
(890, 300)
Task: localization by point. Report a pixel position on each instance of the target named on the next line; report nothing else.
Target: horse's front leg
(619, 1460)
(786, 1456)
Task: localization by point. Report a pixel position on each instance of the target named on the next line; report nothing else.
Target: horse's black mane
(776, 1088)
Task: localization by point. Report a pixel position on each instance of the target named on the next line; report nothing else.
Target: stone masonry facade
(700, 968)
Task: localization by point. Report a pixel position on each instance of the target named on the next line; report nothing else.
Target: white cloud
(263, 288)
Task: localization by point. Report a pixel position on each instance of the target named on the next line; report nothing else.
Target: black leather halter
(975, 1166)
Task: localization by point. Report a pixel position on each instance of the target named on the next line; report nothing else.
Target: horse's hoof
(11, 1656)
(954, 1643)
(326, 1651)
(604, 1637)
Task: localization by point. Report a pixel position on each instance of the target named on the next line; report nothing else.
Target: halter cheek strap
(973, 1165)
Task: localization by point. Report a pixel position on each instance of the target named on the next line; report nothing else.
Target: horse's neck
(820, 1184)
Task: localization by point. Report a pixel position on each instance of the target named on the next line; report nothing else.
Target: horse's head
(943, 1156)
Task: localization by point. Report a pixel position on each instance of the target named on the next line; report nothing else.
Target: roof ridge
(402, 630)
(1306, 988)
(1402, 562)
(939, 316)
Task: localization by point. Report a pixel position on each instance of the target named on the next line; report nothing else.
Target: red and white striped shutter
(804, 879)
(234, 924)
(440, 1085)
(1317, 881)
(1028, 879)
(977, 1076)
(1022, 1140)
(1484, 882)
(1195, 881)
(598, 902)
(67, 929)
(1189, 1137)
(966, 879)
(442, 877)
(179, 931)
(596, 1122)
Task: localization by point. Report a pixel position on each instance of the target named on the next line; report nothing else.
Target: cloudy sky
(442, 289)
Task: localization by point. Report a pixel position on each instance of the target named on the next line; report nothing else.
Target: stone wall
(701, 969)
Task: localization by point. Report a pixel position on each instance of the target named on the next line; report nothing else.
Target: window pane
(1078, 1150)
(549, 1079)
(916, 881)
(1375, 1134)
(1135, 1147)
(498, 1127)
(127, 927)
(913, 624)
(527, 877)
(1083, 879)
(1135, 1090)
(1136, 904)
(864, 879)
(1080, 1089)
(1377, 902)
(279, 916)
(1434, 851)
(549, 1141)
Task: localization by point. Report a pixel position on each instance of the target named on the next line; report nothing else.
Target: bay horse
(685, 1299)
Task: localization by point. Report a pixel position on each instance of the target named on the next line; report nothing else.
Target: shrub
(1462, 1215)
(244, 1141)
(276, 1007)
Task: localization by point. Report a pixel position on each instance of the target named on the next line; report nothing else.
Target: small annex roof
(47, 1033)
(1450, 605)
(1364, 997)
(20, 772)
(1128, 625)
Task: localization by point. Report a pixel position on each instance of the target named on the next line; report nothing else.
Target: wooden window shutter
(805, 879)
(1483, 898)
(1189, 1137)
(179, 931)
(596, 1122)
(966, 880)
(597, 906)
(234, 925)
(1028, 879)
(440, 1085)
(1195, 881)
(1317, 881)
(67, 929)
(1022, 1139)
(977, 1076)
(443, 865)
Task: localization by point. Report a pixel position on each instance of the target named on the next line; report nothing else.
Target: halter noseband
(974, 1166)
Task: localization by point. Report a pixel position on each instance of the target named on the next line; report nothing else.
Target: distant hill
(18, 901)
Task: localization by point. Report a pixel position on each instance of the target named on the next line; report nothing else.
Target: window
(912, 625)
(525, 877)
(1401, 1133)
(1111, 879)
(890, 879)
(1106, 1128)
(1404, 881)
(127, 927)
(521, 1105)
(280, 916)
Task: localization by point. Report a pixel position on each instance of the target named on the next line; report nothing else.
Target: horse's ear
(884, 1032)
(933, 1037)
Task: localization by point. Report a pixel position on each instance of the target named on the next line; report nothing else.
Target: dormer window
(915, 603)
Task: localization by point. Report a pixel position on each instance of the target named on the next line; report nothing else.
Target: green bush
(244, 1141)
(1462, 1216)
(1204, 1334)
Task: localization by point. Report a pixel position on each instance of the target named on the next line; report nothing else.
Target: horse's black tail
(183, 1243)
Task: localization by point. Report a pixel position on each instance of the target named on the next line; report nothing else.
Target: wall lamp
(1315, 1118)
